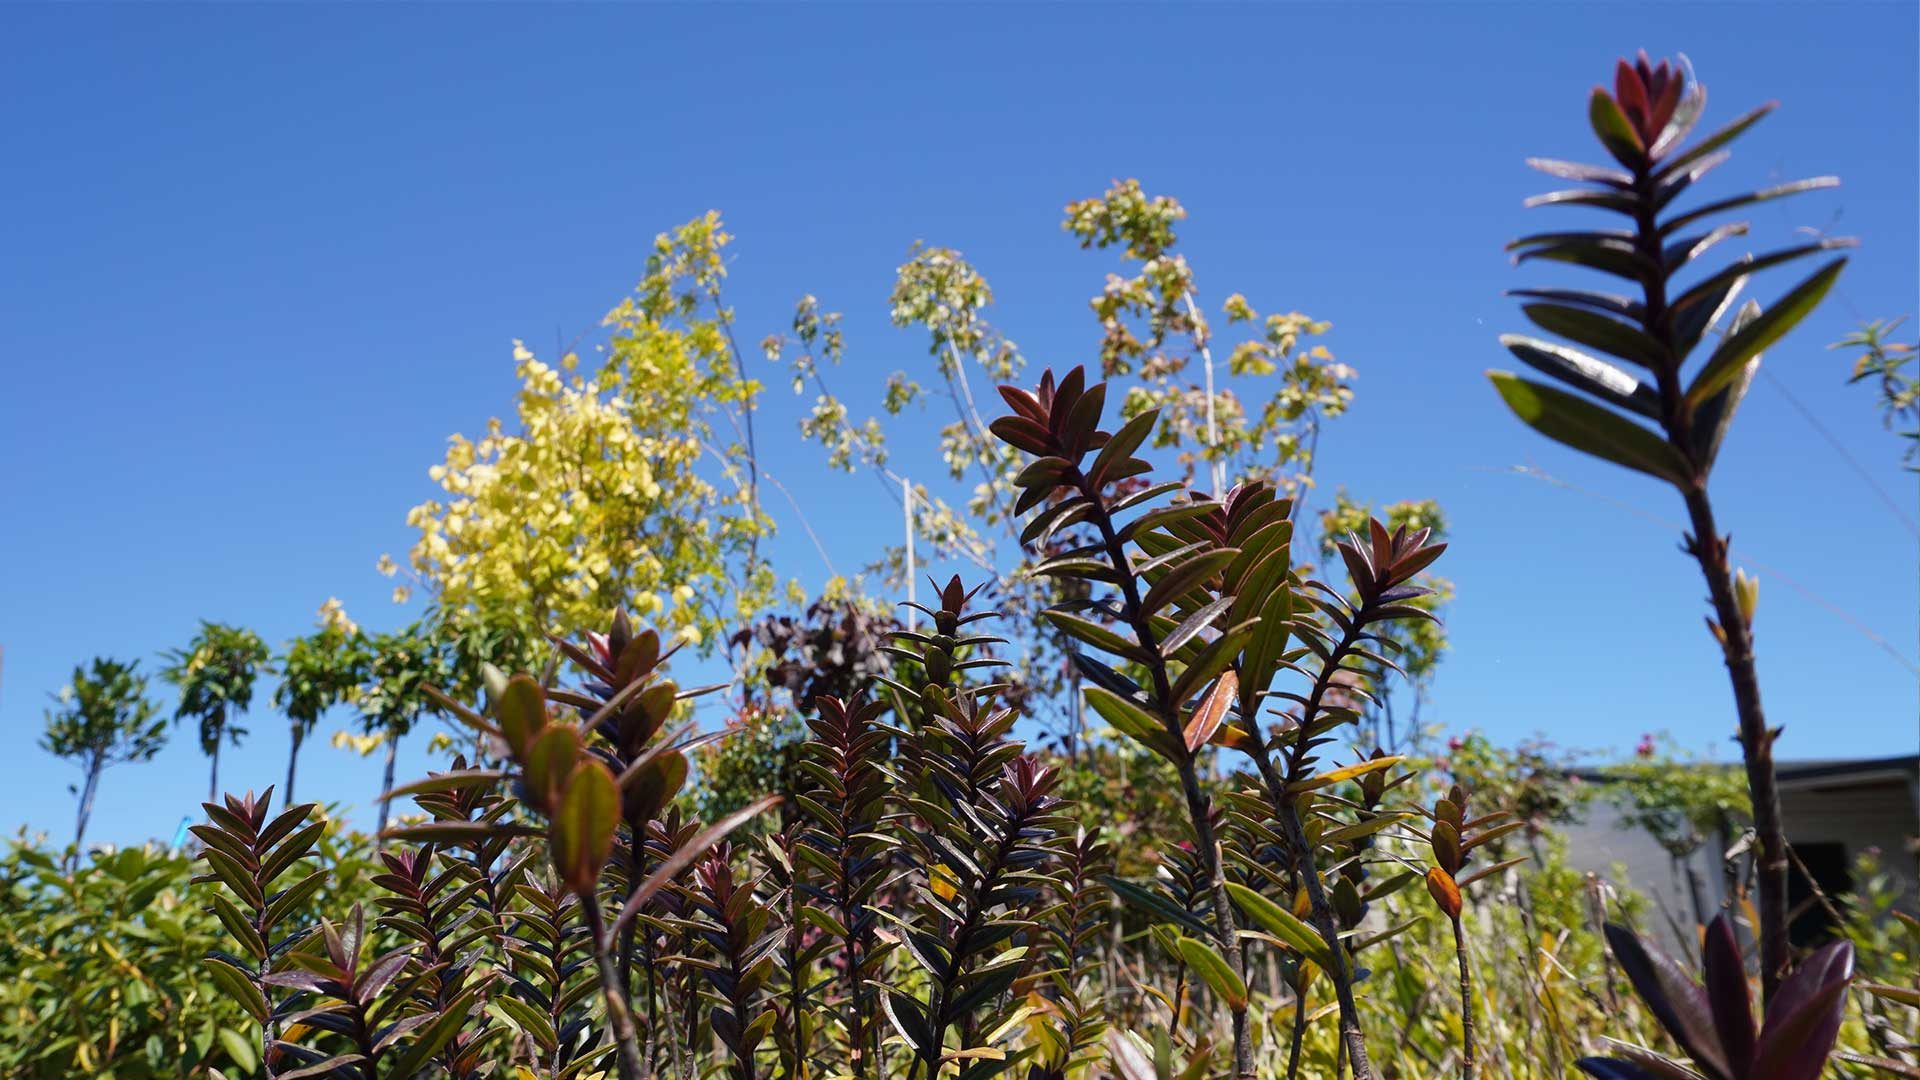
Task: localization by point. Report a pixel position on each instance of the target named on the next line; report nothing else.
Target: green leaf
(1715, 285)
(1186, 577)
(468, 833)
(1691, 321)
(1214, 969)
(239, 986)
(1215, 658)
(449, 781)
(1360, 944)
(1342, 775)
(528, 1019)
(1166, 515)
(1044, 524)
(245, 1055)
(1619, 202)
(1133, 721)
(1095, 634)
(291, 850)
(1598, 331)
(1677, 255)
(1607, 254)
(1615, 133)
(904, 1011)
(1145, 495)
(1778, 191)
(1577, 369)
(1587, 427)
(292, 897)
(1193, 624)
(1772, 324)
(1364, 828)
(522, 712)
(1715, 416)
(648, 789)
(441, 1031)
(332, 1066)
(1152, 903)
(1573, 170)
(1282, 924)
(583, 826)
(1607, 303)
(234, 876)
(1714, 141)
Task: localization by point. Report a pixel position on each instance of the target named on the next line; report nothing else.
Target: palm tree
(102, 718)
(317, 672)
(215, 674)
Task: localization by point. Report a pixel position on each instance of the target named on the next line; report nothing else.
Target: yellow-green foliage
(618, 483)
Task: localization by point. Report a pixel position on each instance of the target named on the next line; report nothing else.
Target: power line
(1536, 473)
(1852, 462)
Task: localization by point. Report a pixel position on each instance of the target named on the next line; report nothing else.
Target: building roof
(1802, 772)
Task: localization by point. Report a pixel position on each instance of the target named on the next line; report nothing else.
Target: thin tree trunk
(293, 759)
(86, 808)
(213, 778)
(386, 803)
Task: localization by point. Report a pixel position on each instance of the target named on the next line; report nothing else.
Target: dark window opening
(1812, 923)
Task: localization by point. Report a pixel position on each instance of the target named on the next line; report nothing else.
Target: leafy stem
(1199, 812)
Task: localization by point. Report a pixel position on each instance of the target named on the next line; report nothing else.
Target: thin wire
(1853, 311)
(1852, 462)
(1535, 473)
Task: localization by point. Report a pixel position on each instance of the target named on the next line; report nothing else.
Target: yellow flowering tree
(625, 482)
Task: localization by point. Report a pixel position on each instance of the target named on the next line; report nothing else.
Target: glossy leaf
(1589, 428)
(1714, 417)
(1778, 191)
(1444, 890)
(1772, 324)
(1598, 331)
(1212, 711)
(1154, 904)
(583, 826)
(1282, 924)
(1214, 970)
(1189, 575)
(1714, 141)
(1676, 1001)
(1613, 130)
(521, 712)
(1727, 995)
(1577, 369)
(1131, 719)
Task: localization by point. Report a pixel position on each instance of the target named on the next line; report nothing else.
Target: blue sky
(260, 261)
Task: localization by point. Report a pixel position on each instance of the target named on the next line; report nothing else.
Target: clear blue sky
(258, 262)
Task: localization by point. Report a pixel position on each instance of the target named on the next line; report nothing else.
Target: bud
(1444, 892)
(1746, 595)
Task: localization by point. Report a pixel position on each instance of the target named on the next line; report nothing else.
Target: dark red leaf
(1728, 995)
